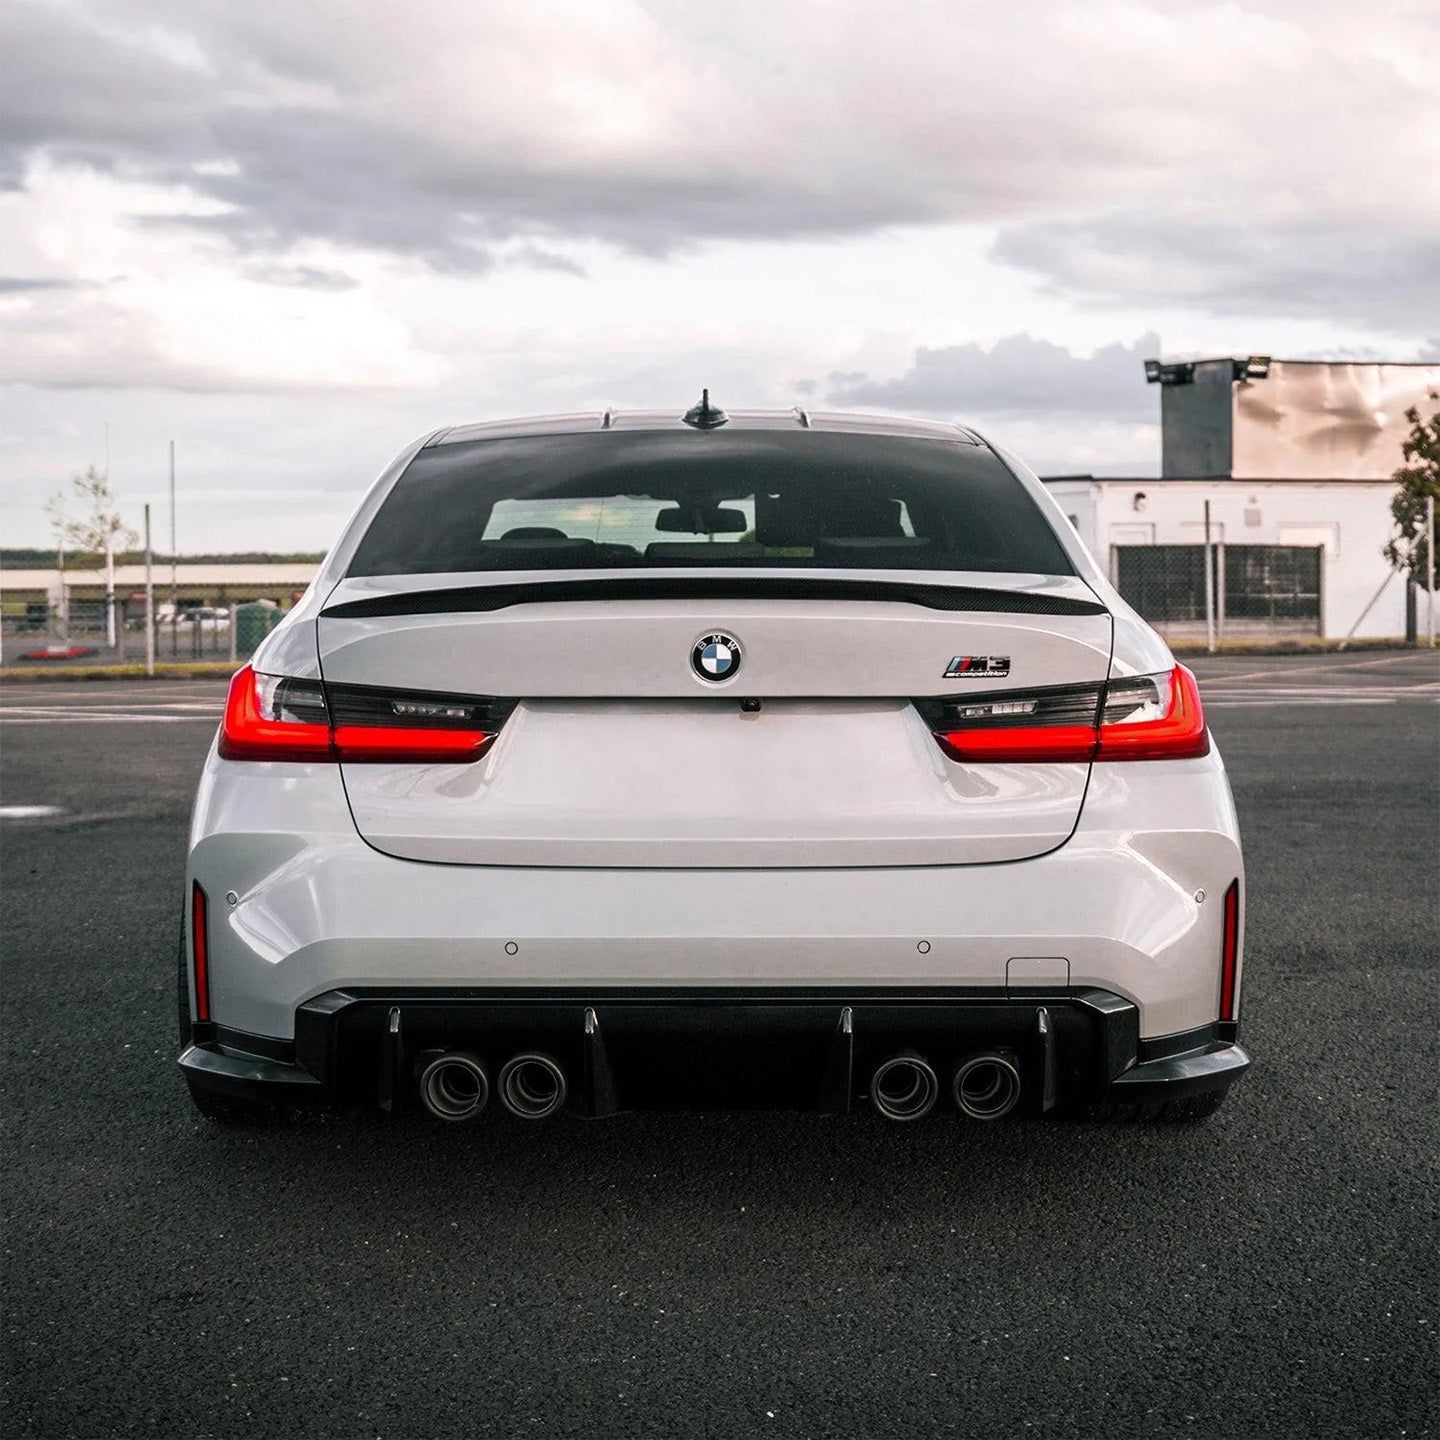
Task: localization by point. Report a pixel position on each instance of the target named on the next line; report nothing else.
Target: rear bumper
(301, 906)
(731, 1050)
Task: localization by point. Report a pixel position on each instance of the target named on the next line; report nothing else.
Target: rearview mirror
(701, 520)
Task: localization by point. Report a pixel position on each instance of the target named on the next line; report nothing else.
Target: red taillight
(1178, 732)
(200, 951)
(1230, 951)
(247, 734)
(1044, 742)
(298, 727)
(396, 744)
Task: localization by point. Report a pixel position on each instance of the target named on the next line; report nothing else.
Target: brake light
(1058, 742)
(262, 722)
(1141, 717)
(270, 717)
(1230, 951)
(200, 950)
(1179, 734)
(396, 743)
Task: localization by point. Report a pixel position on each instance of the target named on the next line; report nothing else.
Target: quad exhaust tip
(904, 1087)
(532, 1086)
(987, 1086)
(454, 1086)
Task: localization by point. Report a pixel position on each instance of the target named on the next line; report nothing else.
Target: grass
(164, 670)
(1291, 645)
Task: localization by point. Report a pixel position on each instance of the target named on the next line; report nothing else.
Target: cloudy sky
(292, 234)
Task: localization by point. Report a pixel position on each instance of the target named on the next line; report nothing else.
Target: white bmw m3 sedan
(764, 760)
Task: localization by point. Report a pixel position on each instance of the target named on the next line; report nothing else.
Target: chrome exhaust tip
(454, 1086)
(987, 1086)
(904, 1087)
(532, 1086)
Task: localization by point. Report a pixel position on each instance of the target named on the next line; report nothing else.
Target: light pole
(174, 570)
(1430, 568)
(1209, 587)
(149, 601)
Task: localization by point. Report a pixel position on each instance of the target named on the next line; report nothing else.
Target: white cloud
(299, 234)
(154, 305)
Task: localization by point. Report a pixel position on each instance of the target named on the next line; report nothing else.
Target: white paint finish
(1325, 532)
(29, 812)
(641, 648)
(318, 908)
(1036, 970)
(670, 771)
(696, 783)
(1352, 517)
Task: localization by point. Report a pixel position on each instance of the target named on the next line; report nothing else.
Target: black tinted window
(685, 498)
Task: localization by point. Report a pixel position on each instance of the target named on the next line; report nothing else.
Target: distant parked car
(208, 619)
(661, 761)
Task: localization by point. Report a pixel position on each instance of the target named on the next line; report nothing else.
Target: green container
(253, 623)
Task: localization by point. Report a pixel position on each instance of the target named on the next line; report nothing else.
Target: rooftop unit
(1263, 419)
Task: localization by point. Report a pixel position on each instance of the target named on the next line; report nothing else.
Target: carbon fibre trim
(479, 598)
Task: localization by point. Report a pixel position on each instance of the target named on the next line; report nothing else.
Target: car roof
(634, 420)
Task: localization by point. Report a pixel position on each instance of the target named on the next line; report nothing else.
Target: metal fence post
(234, 637)
(1209, 586)
(111, 629)
(1220, 589)
(149, 601)
(1430, 568)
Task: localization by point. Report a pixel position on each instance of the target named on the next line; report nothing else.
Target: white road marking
(1320, 692)
(1311, 669)
(1290, 704)
(29, 812)
(104, 720)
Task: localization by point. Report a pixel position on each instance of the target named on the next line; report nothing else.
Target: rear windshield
(611, 500)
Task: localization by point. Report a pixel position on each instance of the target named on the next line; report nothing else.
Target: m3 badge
(966, 667)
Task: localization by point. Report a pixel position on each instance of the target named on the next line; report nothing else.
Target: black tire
(1185, 1109)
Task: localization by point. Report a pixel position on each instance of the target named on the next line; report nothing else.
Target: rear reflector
(200, 950)
(270, 717)
(1126, 719)
(1230, 951)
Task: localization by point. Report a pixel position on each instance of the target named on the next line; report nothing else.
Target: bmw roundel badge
(716, 657)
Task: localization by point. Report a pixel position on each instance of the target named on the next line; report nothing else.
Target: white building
(1294, 459)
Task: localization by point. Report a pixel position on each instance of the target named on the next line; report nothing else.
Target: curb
(197, 670)
(1290, 647)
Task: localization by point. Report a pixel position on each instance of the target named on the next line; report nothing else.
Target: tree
(98, 528)
(1418, 481)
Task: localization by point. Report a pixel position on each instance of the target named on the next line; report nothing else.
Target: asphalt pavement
(1270, 1272)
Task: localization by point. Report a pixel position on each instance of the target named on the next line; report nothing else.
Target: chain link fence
(1255, 590)
(81, 630)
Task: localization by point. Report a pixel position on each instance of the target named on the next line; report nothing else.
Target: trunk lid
(622, 751)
